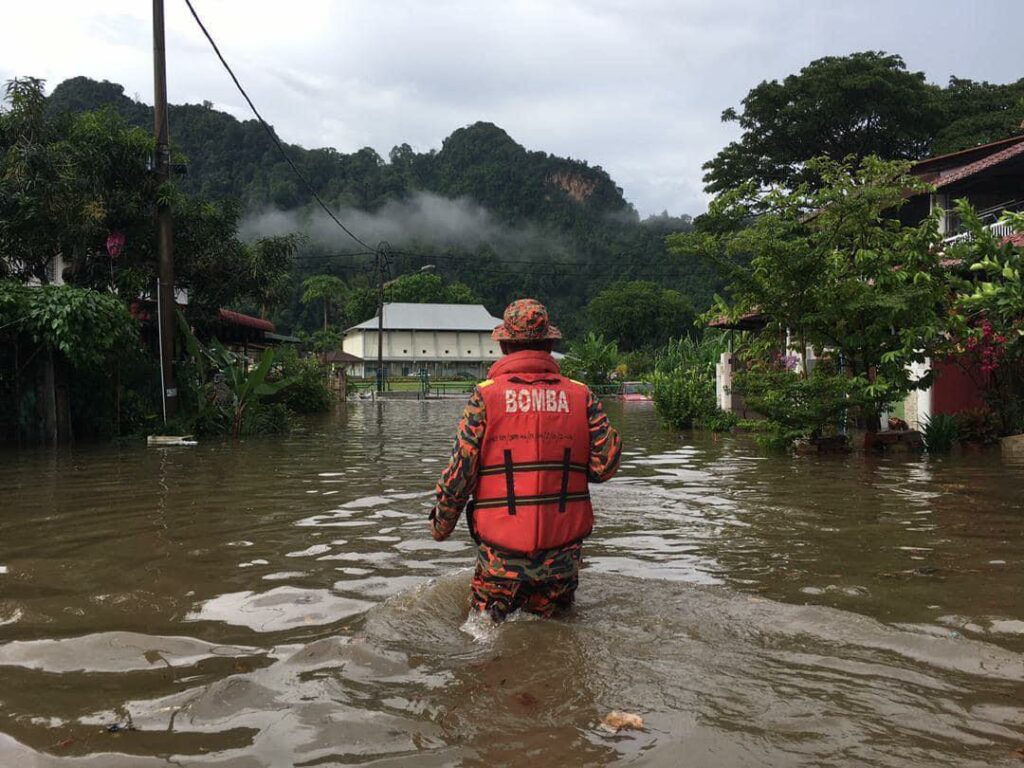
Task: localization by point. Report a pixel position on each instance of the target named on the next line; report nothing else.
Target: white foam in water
(481, 628)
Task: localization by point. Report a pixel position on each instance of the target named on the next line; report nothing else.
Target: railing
(448, 388)
(992, 215)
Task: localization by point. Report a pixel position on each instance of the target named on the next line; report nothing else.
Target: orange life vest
(532, 492)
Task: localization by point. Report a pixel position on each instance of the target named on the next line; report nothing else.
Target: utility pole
(383, 254)
(164, 231)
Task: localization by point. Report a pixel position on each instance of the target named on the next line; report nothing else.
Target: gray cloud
(635, 87)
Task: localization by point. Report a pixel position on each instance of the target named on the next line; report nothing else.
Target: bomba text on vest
(536, 400)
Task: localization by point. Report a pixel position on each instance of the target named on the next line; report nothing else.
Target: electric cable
(270, 131)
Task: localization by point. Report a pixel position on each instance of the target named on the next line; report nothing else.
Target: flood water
(279, 602)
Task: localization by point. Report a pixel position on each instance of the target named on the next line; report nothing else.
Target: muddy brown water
(278, 602)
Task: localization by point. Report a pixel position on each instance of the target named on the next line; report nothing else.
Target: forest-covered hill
(483, 209)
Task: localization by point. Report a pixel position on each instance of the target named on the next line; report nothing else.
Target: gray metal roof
(433, 317)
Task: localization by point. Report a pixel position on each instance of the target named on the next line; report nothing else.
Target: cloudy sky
(636, 86)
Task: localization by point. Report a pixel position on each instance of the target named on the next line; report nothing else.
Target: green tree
(640, 314)
(65, 333)
(834, 269)
(417, 288)
(978, 113)
(328, 289)
(863, 104)
(592, 360)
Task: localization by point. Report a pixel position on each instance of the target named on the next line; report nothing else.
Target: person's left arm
(605, 442)
(458, 481)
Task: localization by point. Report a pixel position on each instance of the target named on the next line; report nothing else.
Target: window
(424, 352)
(405, 351)
(469, 351)
(447, 352)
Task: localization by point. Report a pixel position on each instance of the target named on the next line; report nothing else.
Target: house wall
(955, 390)
(355, 344)
(406, 353)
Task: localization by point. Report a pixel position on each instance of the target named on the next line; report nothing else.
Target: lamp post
(383, 260)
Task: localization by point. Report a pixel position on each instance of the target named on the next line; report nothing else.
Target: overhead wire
(500, 266)
(270, 131)
(582, 270)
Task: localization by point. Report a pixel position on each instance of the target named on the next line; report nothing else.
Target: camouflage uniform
(503, 581)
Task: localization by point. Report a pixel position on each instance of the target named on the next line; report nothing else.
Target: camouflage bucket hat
(526, 320)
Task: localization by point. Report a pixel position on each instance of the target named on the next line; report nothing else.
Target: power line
(500, 266)
(270, 131)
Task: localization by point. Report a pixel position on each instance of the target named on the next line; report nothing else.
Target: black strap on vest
(563, 497)
(471, 520)
(510, 482)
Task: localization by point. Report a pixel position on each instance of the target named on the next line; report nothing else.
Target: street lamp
(383, 257)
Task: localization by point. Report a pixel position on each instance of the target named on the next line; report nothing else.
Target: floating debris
(162, 441)
(617, 721)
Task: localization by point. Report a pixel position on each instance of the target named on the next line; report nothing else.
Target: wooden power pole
(166, 307)
(383, 256)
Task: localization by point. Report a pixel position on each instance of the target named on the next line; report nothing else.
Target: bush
(684, 397)
(684, 384)
(940, 432)
(795, 407)
(308, 391)
(977, 425)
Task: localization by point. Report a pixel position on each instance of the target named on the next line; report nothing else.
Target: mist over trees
(505, 221)
(488, 213)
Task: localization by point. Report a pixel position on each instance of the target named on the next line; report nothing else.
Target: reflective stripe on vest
(532, 489)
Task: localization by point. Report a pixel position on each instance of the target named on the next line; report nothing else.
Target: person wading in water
(529, 443)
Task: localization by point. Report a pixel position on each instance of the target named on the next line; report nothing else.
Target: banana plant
(246, 386)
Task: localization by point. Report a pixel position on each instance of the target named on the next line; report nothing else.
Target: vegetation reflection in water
(279, 602)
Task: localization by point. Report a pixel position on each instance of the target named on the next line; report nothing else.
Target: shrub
(684, 384)
(940, 432)
(308, 391)
(795, 407)
(684, 398)
(977, 425)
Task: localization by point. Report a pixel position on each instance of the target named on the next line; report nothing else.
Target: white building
(446, 340)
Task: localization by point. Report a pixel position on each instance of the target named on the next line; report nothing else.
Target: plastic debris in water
(617, 721)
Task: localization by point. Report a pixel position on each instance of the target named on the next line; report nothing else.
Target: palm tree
(326, 288)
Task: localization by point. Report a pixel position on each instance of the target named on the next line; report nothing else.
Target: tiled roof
(944, 178)
(340, 356)
(433, 317)
(963, 156)
(237, 318)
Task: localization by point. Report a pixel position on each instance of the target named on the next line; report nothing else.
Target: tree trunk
(325, 315)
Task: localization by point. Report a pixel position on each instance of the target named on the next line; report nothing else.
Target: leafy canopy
(640, 314)
(866, 103)
(833, 268)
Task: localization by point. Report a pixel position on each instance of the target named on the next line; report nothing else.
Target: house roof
(237, 318)
(433, 317)
(339, 356)
(751, 321)
(944, 170)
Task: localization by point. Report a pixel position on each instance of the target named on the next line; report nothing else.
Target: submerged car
(635, 391)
